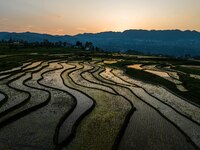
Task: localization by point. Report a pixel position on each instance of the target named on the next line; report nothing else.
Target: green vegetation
(10, 58)
(14, 53)
(33, 51)
(192, 85)
(188, 70)
(99, 117)
(12, 61)
(14, 58)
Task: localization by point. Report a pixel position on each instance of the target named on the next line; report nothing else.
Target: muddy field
(85, 105)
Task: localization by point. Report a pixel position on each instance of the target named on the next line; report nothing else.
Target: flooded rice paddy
(85, 105)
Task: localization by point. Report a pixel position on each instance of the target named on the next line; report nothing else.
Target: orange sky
(79, 16)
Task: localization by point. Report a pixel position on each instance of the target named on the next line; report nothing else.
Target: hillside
(169, 42)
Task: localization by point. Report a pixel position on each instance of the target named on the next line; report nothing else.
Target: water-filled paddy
(85, 105)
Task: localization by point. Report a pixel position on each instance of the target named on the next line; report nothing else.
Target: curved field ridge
(17, 97)
(3, 98)
(66, 128)
(81, 105)
(177, 116)
(110, 110)
(7, 72)
(90, 77)
(57, 97)
(165, 96)
(144, 122)
(50, 114)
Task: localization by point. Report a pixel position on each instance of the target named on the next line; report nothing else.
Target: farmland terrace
(98, 102)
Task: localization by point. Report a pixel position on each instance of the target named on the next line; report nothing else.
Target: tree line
(19, 44)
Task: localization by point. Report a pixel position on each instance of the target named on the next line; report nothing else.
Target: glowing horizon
(91, 16)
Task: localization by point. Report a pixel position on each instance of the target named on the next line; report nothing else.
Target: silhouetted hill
(34, 37)
(170, 42)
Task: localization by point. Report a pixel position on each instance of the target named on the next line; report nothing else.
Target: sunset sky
(79, 16)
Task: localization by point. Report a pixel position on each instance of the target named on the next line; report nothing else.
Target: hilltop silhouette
(170, 42)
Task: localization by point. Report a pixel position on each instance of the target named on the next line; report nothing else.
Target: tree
(97, 49)
(79, 44)
(10, 40)
(60, 43)
(64, 44)
(89, 46)
(46, 43)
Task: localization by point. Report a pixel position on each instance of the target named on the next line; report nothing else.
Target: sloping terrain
(83, 105)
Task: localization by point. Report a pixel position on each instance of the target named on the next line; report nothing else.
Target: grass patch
(23, 51)
(188, 70)
(193, 85)
(16, 57)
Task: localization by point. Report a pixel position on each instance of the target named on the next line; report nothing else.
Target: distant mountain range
(169, 42)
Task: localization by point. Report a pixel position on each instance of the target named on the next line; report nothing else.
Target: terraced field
(169, 75)
(84, 105)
